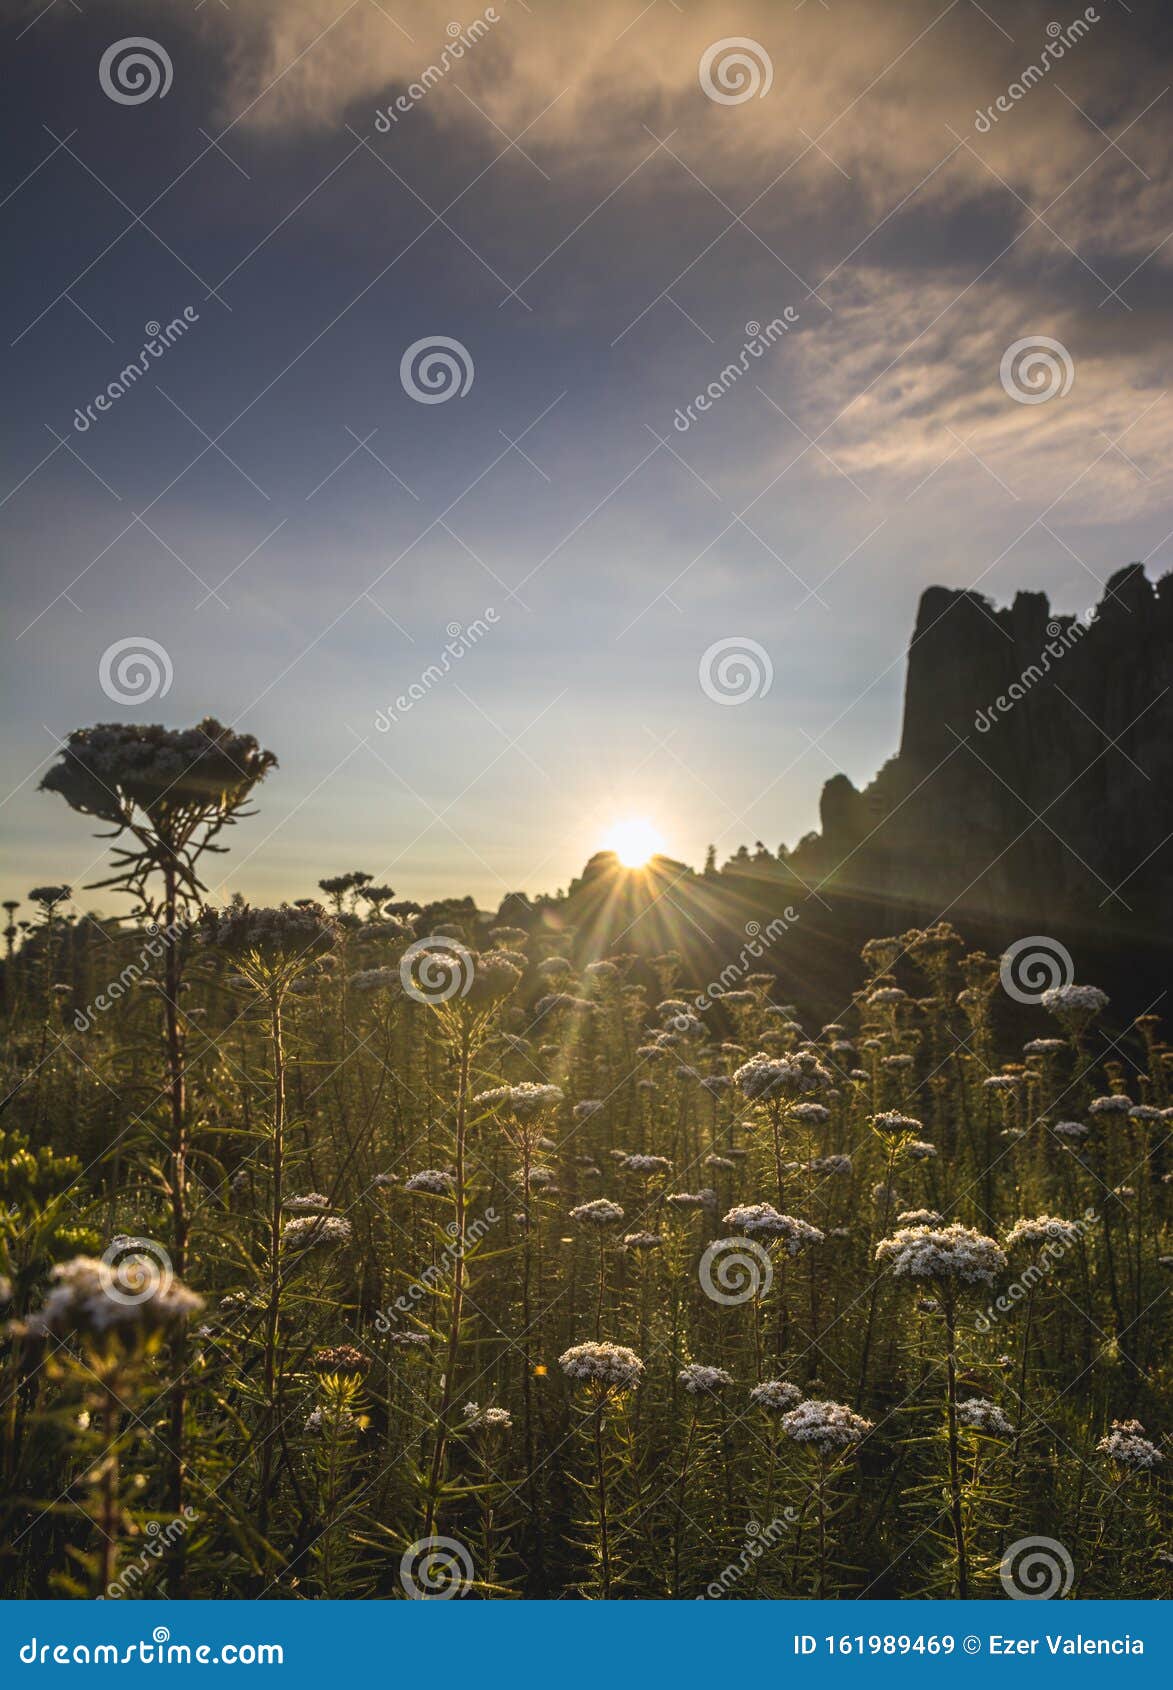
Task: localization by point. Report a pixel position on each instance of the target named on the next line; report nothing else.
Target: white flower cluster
(829, 1165)
(433, 1180)
(83, 1297)
(320, 1421)
(309, 1231)
(950, 1252)
(826, 1426)
(692, 1199)
(777, 1395)
(377, 980)
(555, 968)
(982, 1416)
(701, 1381)
(602, 1364)
(539, 1177)
(600, 1212)
(1127, 1446)
(313, 1203)
(774, 1076)
(1116, 1104)
(525, 1101)
(762, 1220)
(1041, 1230)
(1074, 1000)
(642, 1241)
(637, 1164)
(487, 1419)
(604, 970)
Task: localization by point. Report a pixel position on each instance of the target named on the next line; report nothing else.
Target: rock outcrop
(1034, 781)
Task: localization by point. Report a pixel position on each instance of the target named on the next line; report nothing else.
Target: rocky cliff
(1034, 780)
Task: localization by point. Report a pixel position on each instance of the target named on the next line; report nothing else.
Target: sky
(917, 266)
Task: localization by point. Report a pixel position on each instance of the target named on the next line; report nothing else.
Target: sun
(633, 841)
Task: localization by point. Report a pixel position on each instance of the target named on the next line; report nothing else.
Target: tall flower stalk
(952, 1259)
(167, 795)
(271, 948)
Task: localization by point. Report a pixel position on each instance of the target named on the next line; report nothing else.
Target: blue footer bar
(571, 1642)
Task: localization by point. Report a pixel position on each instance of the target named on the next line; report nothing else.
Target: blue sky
(569, 205)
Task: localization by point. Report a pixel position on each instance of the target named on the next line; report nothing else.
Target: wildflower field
(354, 1249)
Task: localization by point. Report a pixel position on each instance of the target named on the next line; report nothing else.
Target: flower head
(1075, 1005)
(1044, 1229)
(1115, 1104)
(487, 1419)
(982, 1416)
(600, 1212)
(437, 1182)
(610, 1365)
(762, 1220)
(825, 1426)
(277, 938)
(792, 1077)
(776, 1395)
(110, 770)
(1127, 1446)
(637, 1164)
(90, 1296)
(954, 1252)
(525, 1101)
(307, 1232)
(701, 1381)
